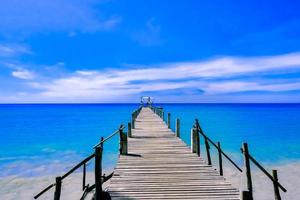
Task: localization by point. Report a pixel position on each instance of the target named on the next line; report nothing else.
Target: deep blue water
(50, 138)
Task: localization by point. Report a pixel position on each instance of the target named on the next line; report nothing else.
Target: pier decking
(160, 165)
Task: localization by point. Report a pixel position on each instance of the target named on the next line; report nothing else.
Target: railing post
(197, 127)
(169, 120)
(98, 172)
(248, 170)
(207, 151)
(132, 120)
(162, 113)
(57, 188)
(245, 195)
(195, 147)
(220, 159)
(123, 142)
(276, 188)
(177, 128)
(83, 176)
(129, 130)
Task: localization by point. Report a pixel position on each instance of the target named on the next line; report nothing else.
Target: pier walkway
(160, 165)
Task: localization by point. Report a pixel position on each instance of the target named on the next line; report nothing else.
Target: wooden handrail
(44, 190)
(247, 158)
(90, 188)
(197, 126)
(81, 163)
(158, 111)
(265, 172)
(134, 116)
(110, 136)
(78, 165)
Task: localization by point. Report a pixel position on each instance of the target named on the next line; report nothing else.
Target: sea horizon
(135, 103)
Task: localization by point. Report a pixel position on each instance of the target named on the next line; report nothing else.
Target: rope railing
(99, 178)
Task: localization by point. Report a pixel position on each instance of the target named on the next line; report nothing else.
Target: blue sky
(176, 51)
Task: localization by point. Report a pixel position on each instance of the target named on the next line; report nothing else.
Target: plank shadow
(133, 155)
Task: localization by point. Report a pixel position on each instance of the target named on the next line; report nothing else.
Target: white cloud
(86, 84)
(11, 50)
(23, 74)
(243, 86)
(220, 76)
(110, 23)
(216, 68)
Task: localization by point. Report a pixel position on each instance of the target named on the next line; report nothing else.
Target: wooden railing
(99, 178)
(197, 132)
(245, 195)
(158, 110)
(248, 195)
(134, 116)
(207, 141)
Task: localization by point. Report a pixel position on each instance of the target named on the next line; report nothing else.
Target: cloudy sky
(175, 51)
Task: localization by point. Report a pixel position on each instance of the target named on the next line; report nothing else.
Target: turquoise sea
(46, 139)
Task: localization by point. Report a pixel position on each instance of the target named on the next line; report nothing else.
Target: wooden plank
(160, 165)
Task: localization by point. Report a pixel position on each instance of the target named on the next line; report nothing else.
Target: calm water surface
(50, 138)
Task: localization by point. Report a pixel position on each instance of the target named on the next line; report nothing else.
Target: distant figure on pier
(146, 100)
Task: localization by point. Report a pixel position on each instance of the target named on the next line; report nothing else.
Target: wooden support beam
(207, 151)
(57, 188)
(123, 142)
(129, 130)
(177, 128)
(245, 195)
(98, 173)
(248, 170)
(169, 120)
(220, 159)
(276, 187)
(83, 176)
(133, 120)
(195, 147)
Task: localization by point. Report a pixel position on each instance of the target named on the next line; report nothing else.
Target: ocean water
(45, 140)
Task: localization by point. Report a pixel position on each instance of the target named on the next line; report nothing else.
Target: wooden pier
(154, 163)
(160, 165)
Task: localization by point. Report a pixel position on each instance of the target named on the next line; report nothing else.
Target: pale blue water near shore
(47, 139)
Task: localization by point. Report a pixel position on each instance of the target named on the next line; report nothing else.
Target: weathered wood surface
(160, 165)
